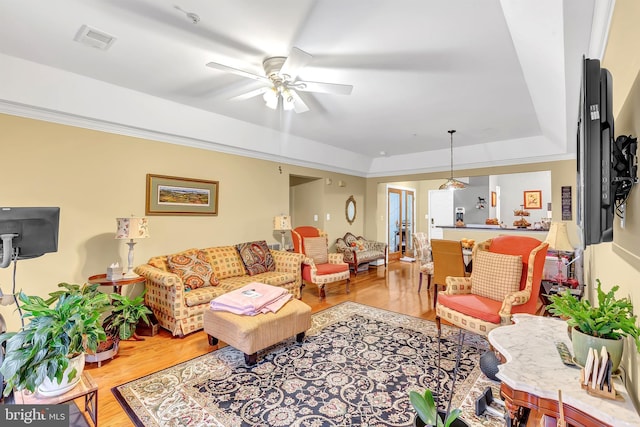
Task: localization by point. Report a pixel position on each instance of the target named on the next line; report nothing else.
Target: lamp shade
(282, 223)
(558, 238)
(132, 228)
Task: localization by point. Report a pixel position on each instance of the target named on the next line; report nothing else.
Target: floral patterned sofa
(358, 250)
(180, 286)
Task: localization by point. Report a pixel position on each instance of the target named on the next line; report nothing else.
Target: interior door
(400, 222)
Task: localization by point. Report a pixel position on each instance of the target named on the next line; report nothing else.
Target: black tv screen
(595, 142)
(32, 232)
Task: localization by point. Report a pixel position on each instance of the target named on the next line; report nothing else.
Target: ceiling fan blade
(332, 88)
(250, 94)
(238, 72)
(296, 60)
(298, 104)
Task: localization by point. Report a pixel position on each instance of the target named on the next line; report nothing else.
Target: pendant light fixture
(452, 184)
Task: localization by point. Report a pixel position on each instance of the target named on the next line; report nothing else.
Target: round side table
(102, 280)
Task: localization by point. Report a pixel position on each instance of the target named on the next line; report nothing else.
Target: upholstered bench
(251, 334)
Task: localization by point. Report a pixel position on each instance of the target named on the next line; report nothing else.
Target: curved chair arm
(347, 251)
(458, 285)
(514, 298)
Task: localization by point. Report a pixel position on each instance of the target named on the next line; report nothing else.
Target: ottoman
(251, 334)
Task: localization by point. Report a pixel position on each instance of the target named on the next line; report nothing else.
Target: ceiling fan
(281, 83)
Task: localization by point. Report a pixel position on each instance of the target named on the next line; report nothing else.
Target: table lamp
(282, 223)
(558, 240)
(132, 228)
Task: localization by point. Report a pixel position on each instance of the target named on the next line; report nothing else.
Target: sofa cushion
(256, 257)
(194, 270)
(161, 261)
(495, 275)
(316, 249)
(204, 295)
(226, 261)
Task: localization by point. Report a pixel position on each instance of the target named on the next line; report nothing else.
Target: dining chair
(422, 254)
(447, 261)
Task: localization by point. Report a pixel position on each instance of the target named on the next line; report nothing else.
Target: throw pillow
(193, 269)
(256, 257)
(316, 248)
(495, 275)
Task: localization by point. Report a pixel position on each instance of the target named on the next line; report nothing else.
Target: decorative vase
(458, 422)
(51, 388)
(583, 342)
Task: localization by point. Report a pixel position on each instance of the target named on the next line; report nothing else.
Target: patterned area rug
(355, 368)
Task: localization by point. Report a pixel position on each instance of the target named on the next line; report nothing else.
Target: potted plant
(426, 410)
(594, 326)
(120, 324)
(48, 352)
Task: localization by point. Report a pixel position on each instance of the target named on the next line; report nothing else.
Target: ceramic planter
(50, 388)
(582, 342)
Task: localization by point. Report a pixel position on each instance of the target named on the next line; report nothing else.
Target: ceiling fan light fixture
(451, 183)
(271, 98)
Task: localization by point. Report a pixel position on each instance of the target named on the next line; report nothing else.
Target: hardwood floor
(394, 288)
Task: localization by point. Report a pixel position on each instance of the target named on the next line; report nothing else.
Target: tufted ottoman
(251, 334)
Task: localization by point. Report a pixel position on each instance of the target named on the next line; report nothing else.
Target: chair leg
(428, 281)
(435, 294)
(348, 280)
(420, 283)
(321, 292)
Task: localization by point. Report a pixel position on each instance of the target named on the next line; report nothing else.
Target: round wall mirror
(351, 210)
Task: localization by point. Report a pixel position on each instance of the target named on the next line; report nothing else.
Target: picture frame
(172, 195)
(493, 199)
(533, 199)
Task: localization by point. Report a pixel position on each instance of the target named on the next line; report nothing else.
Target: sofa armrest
(458, 285)
(164, 291)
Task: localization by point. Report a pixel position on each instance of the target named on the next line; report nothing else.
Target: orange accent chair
(319, 267)
(447, 261)
(465, 306)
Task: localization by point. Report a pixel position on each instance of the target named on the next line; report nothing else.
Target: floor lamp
(282, 223)
(132, 228)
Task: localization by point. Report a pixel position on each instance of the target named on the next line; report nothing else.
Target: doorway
(400, 222)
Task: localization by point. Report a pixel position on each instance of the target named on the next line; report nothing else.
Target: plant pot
(582, 342)
(458, 422)
(101, 355)
(50, 388)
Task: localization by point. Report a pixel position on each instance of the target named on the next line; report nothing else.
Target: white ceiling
(504, 74)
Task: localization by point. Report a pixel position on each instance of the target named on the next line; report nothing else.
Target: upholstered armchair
(319, 267)
(506, 277)
(358, 250)
(422, 254)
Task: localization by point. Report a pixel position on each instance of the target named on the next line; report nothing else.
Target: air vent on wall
(94, 38)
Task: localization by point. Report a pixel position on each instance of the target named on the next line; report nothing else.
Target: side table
(102, 280)
(86, 387)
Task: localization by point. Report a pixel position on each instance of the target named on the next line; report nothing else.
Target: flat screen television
(28, 232)
(595, 149)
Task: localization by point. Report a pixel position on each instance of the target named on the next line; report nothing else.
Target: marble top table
(534, 369)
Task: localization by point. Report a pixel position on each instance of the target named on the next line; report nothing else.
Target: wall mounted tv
(595, 145)
(27, 232)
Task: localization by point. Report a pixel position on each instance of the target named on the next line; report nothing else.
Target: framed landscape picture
(171, 195)
(533, 199)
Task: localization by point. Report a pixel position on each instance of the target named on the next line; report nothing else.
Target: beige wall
(95, 177)
(618, 263)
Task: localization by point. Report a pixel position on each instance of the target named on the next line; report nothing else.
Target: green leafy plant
(612, 318)
(125, 315)
(425, 406)
(58, 329)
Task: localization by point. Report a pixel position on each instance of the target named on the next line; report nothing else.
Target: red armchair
(478, 305)
(319, 267)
